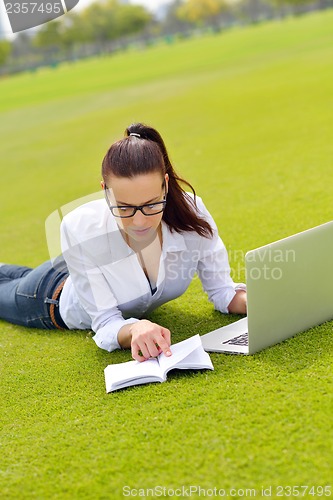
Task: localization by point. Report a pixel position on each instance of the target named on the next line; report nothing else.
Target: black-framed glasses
(124, 211)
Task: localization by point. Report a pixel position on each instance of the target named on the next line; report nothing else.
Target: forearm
(125, 336)
(238, 305)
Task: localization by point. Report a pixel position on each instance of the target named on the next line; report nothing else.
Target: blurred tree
(5, 49)
(22, 46)
(100, 22)
(287, 7)
(131, 19)
(201, 11)
(172, 22)
(110, 20)
(253, 11)
(75, 30)
(49, 36)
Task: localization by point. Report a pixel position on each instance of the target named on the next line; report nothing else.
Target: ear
(166, 178)
(102, 184)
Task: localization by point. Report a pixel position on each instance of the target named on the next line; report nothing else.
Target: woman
(126, 255)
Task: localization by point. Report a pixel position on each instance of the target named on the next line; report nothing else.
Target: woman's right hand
(146, 339)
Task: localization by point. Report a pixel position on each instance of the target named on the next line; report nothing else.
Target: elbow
(238, 305)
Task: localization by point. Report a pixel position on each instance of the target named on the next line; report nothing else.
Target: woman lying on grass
(124, 256)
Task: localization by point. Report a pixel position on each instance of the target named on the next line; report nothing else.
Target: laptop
(289, 290)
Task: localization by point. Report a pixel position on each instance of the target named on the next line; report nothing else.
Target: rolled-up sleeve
(214, 269)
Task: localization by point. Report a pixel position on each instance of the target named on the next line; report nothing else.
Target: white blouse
(107, 286)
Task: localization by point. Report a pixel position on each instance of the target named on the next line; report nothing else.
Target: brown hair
(143, 151)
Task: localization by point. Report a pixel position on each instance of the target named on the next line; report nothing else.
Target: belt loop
(51, 301)
(55, 302)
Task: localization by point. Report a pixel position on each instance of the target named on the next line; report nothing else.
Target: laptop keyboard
(242, 339)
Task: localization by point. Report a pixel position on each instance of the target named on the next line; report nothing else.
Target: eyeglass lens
(125, 211)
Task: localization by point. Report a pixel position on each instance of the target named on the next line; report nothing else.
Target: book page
(132, 372)
(196, 359)
(179, 351)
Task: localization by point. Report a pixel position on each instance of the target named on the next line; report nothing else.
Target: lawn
(246, 115)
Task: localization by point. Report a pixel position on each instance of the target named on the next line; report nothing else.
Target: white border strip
(64, 6)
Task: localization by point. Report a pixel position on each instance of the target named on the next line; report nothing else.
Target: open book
(188, 354)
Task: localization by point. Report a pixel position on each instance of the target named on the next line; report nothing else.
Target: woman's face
(140, 190)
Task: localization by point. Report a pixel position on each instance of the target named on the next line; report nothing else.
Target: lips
(141, 232)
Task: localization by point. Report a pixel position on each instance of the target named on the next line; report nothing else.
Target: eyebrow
(122, 203)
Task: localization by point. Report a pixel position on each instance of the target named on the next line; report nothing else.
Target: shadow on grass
(186, 320)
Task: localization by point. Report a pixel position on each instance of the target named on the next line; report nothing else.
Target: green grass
(247, 116)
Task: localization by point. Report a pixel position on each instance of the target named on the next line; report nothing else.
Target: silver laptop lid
(290, 286)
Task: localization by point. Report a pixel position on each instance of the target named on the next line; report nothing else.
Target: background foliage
(107, 26)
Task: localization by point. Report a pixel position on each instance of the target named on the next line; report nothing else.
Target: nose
(139, 219)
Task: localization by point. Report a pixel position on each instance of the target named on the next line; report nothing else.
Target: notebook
(289, 290)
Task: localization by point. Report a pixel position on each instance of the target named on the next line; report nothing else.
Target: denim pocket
(31, 285)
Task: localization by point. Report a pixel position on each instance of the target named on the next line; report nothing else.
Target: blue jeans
(26, 294)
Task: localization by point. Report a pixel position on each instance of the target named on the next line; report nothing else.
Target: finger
(164, 346)
(158, 348)
(167, 335)
(139, 353)
(144, 351)
(153, 348)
